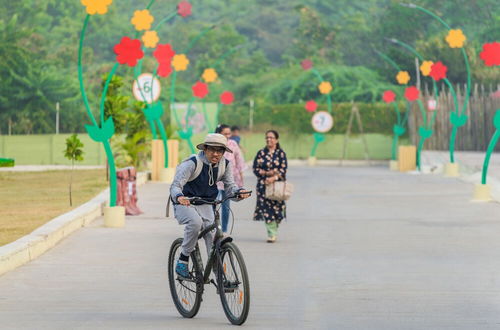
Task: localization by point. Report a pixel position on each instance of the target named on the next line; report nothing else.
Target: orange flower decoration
(209, 75)
(150, 39)
(142, 20)
(96, 6)
(403, 77)
(456, 38)
(180, 62)
(425, 68)
(325, 87)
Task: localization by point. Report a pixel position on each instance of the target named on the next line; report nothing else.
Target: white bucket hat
(214, 140)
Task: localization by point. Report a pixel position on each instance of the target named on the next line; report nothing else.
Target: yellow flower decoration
(150, 39)
(209, 75)
(180, 62)
(425, 68)
(96, 6)
(325, 87)
(142, 20)
(403, 77)
(456, 38)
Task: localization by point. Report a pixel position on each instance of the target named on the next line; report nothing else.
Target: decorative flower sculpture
(128, 51)
(180, 62)
(164, 53)
(491, 54)
(227, 98)
(389, 96)
(438, 71)
(142, 20)
(96, 6)
(403, 77)
(164, 69)
(150, 39)
(456, 38)
(306, 64)
(184, 8)
(411, 93)
(425, 68)
(311, 106)
(209, 75)
(200, 90)
(325, 87)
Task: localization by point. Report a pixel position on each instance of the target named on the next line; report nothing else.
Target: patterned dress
(268, 210)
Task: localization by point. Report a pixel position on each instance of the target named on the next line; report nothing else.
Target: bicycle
(228, 264)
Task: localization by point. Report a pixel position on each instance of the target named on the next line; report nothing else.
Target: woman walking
(270, 164)
(236, 158)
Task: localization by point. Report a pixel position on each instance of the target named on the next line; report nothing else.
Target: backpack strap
(197, 170)
(222, 168)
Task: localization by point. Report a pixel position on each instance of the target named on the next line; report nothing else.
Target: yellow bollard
(407, 158)
(157, 159)
(312, 161)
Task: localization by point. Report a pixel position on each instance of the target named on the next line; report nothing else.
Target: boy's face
(236, 132)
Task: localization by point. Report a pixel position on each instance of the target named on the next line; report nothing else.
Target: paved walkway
(363, 248)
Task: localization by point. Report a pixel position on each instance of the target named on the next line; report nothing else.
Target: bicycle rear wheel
(185, 292)
(233, 283)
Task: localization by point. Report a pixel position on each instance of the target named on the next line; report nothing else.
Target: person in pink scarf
(236, 158)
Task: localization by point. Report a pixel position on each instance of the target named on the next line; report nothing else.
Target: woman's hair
(221, 127)
(276, 135)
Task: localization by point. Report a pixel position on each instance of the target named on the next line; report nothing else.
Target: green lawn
(30, 199)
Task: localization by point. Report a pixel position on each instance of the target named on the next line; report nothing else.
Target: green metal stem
(419, 151)
(195, 39)
(453, 136)
(395, 139)
(165, 20)
(388, 60)
(314, 148)
(112, 174)
(397, 112)
(422, 111)
(150, 4)
(80, 71)
(226, 54)
(105, 91)
(491, 147)
(453, 93)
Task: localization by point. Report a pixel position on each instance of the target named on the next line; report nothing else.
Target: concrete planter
(482, 193)
(451, 170)
(312, 161)
(393, 165)
(167, 175)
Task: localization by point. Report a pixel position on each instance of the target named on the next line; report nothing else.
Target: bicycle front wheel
(185, 292)
(233, 283)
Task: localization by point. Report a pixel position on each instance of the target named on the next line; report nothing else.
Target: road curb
(44, 238)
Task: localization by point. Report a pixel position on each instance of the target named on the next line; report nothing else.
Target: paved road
(363, 248)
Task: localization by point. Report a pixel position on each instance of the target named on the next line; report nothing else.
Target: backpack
(199, 167)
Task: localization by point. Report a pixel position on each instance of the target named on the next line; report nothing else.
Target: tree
(73, 152)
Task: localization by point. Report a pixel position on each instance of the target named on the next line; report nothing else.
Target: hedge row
(375, 117)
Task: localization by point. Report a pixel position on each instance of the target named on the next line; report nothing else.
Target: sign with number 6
(146, 88)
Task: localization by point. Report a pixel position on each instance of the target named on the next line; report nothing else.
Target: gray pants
(196, 218)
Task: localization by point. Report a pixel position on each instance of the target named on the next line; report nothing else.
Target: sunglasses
(216, 150)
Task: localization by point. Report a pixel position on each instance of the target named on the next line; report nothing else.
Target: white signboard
(148, 89)
(322, 122)
(431, 105)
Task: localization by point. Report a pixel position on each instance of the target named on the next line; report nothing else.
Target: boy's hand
(183, 201)
(244, 194)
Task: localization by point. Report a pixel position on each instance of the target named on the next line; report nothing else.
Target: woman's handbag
(279, 190)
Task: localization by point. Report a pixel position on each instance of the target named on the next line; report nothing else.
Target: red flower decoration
(311, 106)
(306, 64)
(184, 8)
(128, 51)
(438, 71)
(164, 53)
(164, 69)
(389, 96)
(412, 93)
(200, 90)
(491, 54)
(226, 98)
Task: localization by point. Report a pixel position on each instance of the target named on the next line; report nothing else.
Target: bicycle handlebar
(217, 202)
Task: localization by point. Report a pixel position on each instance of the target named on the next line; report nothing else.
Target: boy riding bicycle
(198, 176)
